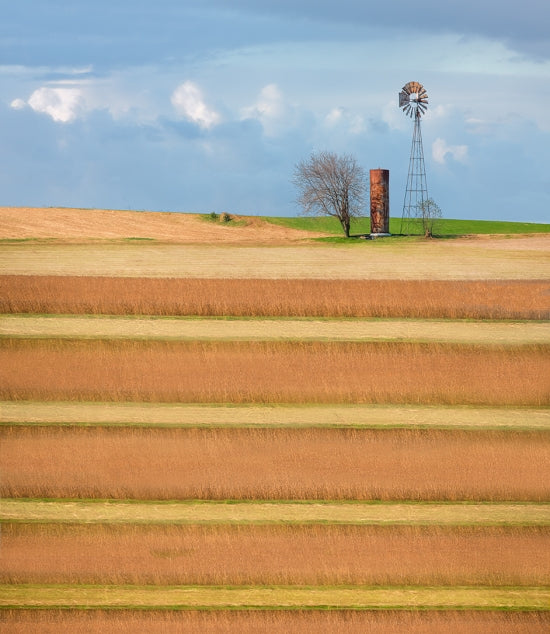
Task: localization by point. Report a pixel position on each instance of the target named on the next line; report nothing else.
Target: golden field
(299, 469)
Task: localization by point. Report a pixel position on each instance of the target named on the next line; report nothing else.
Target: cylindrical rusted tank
(379, 201)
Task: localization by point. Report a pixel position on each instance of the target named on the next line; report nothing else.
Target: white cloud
(341, 117)
(440, 150)
(61, 104)
(18, 104)
(270, 109)
(188, 101)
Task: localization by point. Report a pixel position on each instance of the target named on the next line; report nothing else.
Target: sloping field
(276, 298)
(76, 225)
(209, 329)
(277, 464)
(415, 260)
(300, 458)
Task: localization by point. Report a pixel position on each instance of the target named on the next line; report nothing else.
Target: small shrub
(226, 217)
(213, 216)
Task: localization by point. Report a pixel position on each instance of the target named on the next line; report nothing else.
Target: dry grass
(526, 299)
(274, 555)
(294, 622)
(250, 372)
(274, 464)
(208, 512)
(389, 260)
(258, 329)
(304, 415)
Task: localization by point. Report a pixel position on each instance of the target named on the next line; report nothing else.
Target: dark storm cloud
(522, 25)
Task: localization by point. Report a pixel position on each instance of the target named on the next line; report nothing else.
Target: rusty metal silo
(379, 202)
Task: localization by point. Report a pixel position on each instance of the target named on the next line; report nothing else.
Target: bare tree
(428, 212)
(331, 185)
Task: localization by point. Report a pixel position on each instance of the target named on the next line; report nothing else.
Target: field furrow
(418, 598)
(271, 415)
(208, 329)
(275, 512)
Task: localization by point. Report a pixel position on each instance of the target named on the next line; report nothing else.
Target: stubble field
(240, 475)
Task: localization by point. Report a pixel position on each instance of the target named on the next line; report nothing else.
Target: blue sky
(202, 105)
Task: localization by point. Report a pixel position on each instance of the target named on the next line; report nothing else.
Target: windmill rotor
(413, 99)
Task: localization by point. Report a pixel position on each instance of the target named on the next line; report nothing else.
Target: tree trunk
(345, 226)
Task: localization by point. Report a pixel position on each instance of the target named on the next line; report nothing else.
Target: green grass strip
(286, 597)
(208, 512)
(256, 416)
(445, 226)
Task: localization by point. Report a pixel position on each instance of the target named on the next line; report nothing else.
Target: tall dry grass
(274, 464)
(238, 372)
(482, 299)
(279, 555)
(292, 622)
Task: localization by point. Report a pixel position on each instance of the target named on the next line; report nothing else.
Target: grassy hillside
(446, 227)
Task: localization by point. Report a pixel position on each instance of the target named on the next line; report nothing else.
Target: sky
(208, 105)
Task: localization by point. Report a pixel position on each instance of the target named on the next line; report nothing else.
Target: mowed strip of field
(493, 617)
(409, 260)
(431, 298)
(274, 554)
(375, 372)
(208, 329)
(258, 416)
(274, 464)
(203, 512)
(105, 596)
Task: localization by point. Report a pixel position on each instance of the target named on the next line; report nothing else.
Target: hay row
(279, 464)
(504, 617)
(256, 372)
(429, 298)
(276, 554)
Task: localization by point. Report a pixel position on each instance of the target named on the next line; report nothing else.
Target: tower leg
(416, 192)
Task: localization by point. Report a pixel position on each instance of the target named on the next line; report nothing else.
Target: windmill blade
(403, 99)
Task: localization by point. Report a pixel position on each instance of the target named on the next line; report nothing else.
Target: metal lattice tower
(414, 101)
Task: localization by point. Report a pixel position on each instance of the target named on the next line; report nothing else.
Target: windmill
(413, 99)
